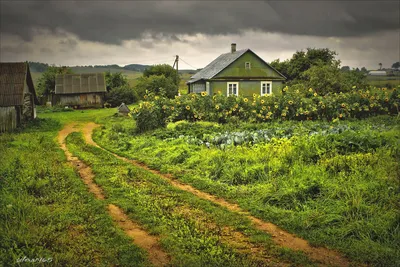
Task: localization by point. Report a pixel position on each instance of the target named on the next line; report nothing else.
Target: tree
(47, 82)
(157, 84)
(301, 61)
(330, 79)
(396, 65)
(364, 69)
(163, 69)
(380, 66)
(115, 80)
(345, 68)
(123, 94)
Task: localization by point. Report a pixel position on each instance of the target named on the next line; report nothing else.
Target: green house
(239, 72)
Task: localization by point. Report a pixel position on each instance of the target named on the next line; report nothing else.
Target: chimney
(233, 48)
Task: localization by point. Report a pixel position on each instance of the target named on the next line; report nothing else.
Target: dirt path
(281, 237)
(140, 237)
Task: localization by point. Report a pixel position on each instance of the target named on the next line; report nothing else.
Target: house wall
(257, 69)
(8, 119)
(197, 87)
(246, 88)
(81, 100)
(28, 108)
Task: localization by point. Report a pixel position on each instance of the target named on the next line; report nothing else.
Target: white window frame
(245, 65)
(233, 83)
(208, 88)
(270, 87)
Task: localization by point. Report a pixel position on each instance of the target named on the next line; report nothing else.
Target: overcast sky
(364, 33)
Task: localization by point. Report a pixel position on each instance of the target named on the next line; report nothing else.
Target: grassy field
(46, 212)
(383, 81)
(334, 183)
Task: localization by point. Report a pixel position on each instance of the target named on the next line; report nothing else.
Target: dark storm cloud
(114, 21)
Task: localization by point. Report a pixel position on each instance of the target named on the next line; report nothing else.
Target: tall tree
(301, 61)
(47, 82)
(163, 69)
(396, 65)
(380, 66)
(115, 80)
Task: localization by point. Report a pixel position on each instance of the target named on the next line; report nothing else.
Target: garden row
(290, 105)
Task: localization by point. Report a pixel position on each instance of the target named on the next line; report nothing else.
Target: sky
(363, 33)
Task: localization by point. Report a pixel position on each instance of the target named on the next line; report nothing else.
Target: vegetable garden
(331, 178)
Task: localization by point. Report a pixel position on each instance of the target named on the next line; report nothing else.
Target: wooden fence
(8, 119)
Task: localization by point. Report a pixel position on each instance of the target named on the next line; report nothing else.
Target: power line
(188, 64)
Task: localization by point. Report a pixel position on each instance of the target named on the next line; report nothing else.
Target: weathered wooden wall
(81, 100)
(8, 119)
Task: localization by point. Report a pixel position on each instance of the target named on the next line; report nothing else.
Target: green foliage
(115, 80)
(123, 94)
(302, 61)
(290, 105)
(163, 70)
(334, 183)
(330, 79)
(396, 65)
(47, 82)
(158, 85)
(190, 228)
(47, 212)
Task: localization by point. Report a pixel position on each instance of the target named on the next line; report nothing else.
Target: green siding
(258, 69)
(246, 88)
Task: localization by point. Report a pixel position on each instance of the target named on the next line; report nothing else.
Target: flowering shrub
(290, 105)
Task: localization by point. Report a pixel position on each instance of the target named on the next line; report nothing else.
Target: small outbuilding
(80, 90)
(18, 98)
(377, 73)
(123, 109)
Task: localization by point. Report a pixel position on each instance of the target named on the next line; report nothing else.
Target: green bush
(124, 94)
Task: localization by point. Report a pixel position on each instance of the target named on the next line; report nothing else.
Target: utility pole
(177, 73)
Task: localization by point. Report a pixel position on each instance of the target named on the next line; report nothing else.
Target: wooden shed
(80, 90)
(17, 95)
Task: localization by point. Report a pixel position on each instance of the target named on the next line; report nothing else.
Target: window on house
(247, 65)
(232, 89)
(266, 88)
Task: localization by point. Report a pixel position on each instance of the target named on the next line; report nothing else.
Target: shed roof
(123, 108)
(13, 76)
(220, 63)
(80, 83)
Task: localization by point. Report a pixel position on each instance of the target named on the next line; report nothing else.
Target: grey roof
(13, 77)
(217, 65)
(123, 108)
(80, 83)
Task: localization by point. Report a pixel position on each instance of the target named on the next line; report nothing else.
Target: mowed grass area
(46, 212)
(335, 184)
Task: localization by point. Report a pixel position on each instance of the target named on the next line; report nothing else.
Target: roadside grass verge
(338, 189)
(46, 211)
(195, 232)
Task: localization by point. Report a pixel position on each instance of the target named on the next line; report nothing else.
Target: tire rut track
(285, 239)
(140, 237)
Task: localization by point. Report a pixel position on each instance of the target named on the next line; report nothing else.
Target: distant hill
(42, 67)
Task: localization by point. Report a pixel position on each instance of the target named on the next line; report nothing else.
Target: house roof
(220, 63)
(12, 81)
(80, 83)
